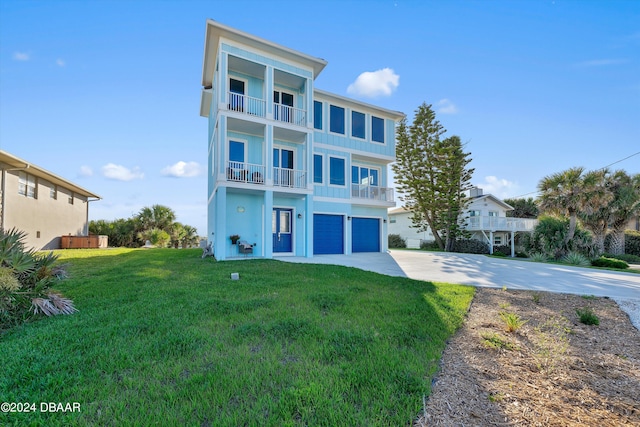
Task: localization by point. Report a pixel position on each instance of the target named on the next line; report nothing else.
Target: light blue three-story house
(292, 170)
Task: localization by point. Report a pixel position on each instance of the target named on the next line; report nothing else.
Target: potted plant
(234, 238)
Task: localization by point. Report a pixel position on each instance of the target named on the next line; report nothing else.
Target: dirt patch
(552, 371)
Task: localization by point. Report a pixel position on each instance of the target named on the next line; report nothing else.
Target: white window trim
(347, 180)
(246, 148)
(384, 130)
(322, 124)
(369, 168)
(365, 126)
(288, 148)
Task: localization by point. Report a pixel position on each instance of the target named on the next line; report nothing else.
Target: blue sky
(107, 93)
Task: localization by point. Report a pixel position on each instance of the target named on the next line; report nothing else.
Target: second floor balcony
(372, 193)
(497, 223)
(248, 173)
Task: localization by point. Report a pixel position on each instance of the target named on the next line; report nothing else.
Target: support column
(491, 242)
(220, 237)
(513, 244)
(308, 225)
(266, 225)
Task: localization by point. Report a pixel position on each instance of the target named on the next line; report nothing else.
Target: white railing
(245, 172)
(370, 192)
(497, 223)
(284, 113)
(247, 104)
(289, 178)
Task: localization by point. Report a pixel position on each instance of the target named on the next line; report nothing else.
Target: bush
(470, 246)
(548, 238)
(632, 243)
(587, 316)
(539, 257)
(575, 258)
(25, 280)
(502, 250)
(628, 258)
(609, 263)
(429, 245)
(395, 241)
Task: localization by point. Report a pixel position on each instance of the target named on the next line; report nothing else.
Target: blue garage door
(328, 234)
(365, 235)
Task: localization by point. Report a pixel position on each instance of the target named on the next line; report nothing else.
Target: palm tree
(156, 216)
(563, 194)
(625, 205)
(189, 236)
(523, 208)
(596, 212)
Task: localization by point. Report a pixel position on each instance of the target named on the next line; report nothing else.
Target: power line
(604, 167)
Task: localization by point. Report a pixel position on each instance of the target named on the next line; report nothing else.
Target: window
(357, 124)
(317, 115)
(53, 192)
(317, 168)
(497, 240)
(364, 176)
(70, 199)
(236, 95)
(377, 129)
(392, 220)
(493, 213)
(474, 213)
(336, 171)
(336, 117)
(283, 106)
(236, 151)
(27, 185)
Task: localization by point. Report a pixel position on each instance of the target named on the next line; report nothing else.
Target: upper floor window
(474, 213)
(364, 176)
(336, 171)
(27, 185)
(377, 129)
(357, 124)
(53, 192)
(317, 168)
(236, 151)
(317, 115)
(336, 119)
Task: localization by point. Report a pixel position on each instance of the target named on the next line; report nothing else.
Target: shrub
(395, 241)
(609, 263)
(504, 250)
(548, 238)
(512, 321)
(25, 280)
(429, 245)
(470, 246)
(632, 242)
(575, 258)
(539, 257)
(628, 258)
(587, 316)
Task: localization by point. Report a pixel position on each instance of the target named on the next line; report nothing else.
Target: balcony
(370, 192)
(290, 178)
(496, 223)
(247, 104)
(245, 173)
(285, 113)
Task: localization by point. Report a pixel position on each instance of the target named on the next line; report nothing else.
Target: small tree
(432, 176)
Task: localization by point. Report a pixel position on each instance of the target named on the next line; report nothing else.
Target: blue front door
(281, 228)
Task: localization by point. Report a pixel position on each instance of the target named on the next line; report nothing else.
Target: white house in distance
(487, 221)
(40, 203)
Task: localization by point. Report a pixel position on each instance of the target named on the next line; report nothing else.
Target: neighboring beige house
(40, 203)
(486, 221)
(634, 224)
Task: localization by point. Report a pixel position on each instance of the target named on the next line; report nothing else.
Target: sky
(107, 93)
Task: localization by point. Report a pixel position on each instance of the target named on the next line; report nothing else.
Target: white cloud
(501, 188)
(601, 62)
(60, 62)
(182, 170)
(445, 106)
(375, 83)
(121, 173)
(86, 171)
(21, 56)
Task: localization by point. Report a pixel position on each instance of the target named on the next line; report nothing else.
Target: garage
(328, 234)
(365, 235)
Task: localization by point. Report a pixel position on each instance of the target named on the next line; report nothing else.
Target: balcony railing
(289, 178)
(496, 223)
(245, 172)
(247, 104)
(370, 192)
(284, 113)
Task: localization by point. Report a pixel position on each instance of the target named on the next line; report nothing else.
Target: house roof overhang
(11, 162)
(495, 199)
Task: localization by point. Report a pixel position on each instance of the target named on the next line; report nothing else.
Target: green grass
(166, 338)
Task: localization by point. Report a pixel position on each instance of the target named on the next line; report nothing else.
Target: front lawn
(164, 337)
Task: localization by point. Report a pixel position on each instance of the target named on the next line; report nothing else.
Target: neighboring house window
(497, 240)
(27, 185)
(357, 124)
(336, 118)
(377, 129)
(317, 115)
(53, 192)
(474, 213)
(392, 220)
(336, 171)
(70, 199)
(493, 213)
(317, 168)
